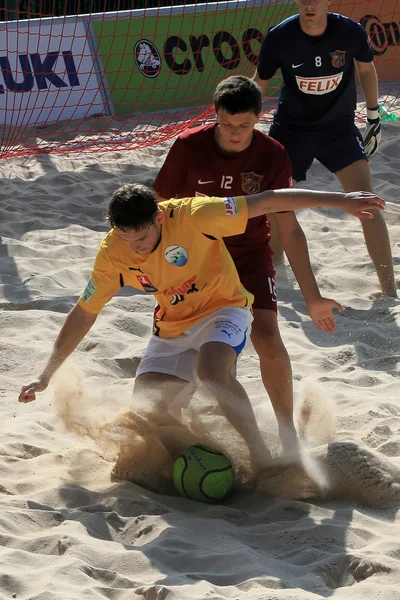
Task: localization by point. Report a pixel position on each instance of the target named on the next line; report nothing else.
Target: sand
(68, 530)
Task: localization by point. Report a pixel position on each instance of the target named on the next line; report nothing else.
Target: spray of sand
(321, 467)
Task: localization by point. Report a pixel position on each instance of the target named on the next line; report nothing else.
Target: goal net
(94, 75)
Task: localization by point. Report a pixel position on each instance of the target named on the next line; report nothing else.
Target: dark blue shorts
(336, 146)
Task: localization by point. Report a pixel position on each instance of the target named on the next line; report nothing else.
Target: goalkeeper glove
(372, 134)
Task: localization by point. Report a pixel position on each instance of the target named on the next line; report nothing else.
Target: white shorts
(177, 356)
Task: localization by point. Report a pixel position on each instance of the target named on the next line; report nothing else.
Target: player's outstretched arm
(76, 326)
(359, 204)
(294, 243)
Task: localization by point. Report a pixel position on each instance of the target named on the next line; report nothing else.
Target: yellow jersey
(190, 272)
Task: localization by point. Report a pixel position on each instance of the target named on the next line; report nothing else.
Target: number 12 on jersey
(226, 182)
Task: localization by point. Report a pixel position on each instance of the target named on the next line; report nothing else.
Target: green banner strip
(171, 60)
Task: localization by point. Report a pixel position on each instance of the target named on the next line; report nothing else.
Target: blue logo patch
(176, 255)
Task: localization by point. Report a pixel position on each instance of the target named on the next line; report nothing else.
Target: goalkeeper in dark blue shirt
(318, 53)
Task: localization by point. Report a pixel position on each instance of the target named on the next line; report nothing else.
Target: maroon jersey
(196, 165)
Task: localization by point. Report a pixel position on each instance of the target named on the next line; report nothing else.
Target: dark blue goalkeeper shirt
(318, 71)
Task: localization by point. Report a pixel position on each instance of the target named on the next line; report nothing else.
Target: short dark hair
(238, 94)
(132, 206)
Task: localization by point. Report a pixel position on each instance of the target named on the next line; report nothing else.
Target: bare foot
(290, 443)
(384, 296)
(153, 592)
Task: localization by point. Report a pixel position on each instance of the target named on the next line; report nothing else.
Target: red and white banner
(381, 20)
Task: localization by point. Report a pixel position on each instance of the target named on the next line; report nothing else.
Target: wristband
(373, 113)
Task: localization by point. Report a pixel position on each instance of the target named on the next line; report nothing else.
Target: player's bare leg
(355, 177)
(215, 368)
(156, 392)
(275, 242)
(276, 373)
(153, 438)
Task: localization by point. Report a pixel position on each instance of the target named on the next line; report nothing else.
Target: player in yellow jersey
(175, 251)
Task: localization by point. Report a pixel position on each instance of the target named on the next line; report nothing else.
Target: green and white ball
(203, 474)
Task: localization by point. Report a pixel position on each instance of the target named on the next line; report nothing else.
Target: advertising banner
(158, 60)
(56, 69)
(47, 72)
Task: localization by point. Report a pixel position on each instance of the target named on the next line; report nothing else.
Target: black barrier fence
(11, 10)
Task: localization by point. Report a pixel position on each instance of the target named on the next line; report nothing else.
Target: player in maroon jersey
(232, 158)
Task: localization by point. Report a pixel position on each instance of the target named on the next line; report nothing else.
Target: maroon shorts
(257, 275)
